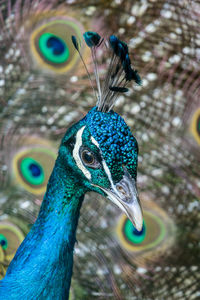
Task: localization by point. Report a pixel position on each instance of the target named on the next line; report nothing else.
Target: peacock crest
(119, 71)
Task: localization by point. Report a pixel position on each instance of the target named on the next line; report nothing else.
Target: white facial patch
(76, 156)
(106, 169)
(95, 142)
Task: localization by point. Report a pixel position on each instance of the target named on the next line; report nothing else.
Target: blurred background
(41, 97)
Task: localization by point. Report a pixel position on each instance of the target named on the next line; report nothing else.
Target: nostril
(121, 190)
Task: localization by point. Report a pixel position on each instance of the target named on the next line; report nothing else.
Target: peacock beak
(124, 195)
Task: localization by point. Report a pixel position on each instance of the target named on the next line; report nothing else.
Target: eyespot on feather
(158, 233)
(31, 165)
(50, 45)
(11, 236)
(195, 125)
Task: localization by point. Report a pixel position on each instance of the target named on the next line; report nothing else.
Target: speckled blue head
(118, 146)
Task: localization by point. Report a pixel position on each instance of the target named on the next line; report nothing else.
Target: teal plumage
(38, 106)
(53, 232)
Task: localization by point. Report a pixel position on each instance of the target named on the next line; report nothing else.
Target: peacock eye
(88, 157)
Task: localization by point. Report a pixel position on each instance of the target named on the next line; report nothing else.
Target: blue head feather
(92, 38)
(75, 43)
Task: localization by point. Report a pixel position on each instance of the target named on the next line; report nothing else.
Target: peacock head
(103, 150)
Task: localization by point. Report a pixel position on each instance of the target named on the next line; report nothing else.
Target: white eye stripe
(106, 169)
(76, 156)
(95, 142)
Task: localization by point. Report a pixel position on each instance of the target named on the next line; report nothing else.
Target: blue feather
(92, 39)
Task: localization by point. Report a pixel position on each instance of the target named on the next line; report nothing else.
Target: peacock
(99, 154)
(43, 94)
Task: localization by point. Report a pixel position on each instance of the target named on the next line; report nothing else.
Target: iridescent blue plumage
(98, 153)
(92, 39)
(116, 141)
(45, 257)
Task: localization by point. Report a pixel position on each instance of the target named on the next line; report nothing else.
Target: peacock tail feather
(44, 89)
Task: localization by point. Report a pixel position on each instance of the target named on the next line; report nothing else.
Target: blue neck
(42, 266)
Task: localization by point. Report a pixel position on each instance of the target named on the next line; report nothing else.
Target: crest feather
(119, 73)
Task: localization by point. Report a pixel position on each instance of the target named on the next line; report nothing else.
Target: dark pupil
(35, 170)
(56, 44)
(138, 233)
(88, 157)
(2, 243)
